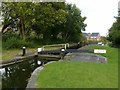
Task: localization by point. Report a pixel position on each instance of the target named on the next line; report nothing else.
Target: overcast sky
(100, 14)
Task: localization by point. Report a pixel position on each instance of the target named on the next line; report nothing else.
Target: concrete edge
(71, 55)
(32, 80)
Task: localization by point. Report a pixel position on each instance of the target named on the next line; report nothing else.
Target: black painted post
(24, 51)
(78, 45)
(62, 53)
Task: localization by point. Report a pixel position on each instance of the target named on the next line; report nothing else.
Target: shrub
(11, 40)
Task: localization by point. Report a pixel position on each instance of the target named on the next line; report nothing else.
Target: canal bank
(43, 54)
(69, 57)
(32, 80)
(17, 72)
(69, 74)
(17, 75)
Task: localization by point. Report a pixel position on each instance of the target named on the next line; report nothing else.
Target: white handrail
(56, 45)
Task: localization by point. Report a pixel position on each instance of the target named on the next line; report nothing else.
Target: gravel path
(85, 57)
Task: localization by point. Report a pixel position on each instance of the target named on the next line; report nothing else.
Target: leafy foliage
(71, 29)
(114, 33)
(11, 40)
(114, 37)
(51, 21)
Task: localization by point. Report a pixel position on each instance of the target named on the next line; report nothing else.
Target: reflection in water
(17, 75)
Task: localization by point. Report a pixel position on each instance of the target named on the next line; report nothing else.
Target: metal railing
(55, 46)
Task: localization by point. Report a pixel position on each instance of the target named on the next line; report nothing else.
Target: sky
(100, 14)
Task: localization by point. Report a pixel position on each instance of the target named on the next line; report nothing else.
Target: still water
(17, 75)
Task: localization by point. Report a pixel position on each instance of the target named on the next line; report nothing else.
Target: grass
(81, 74)
(111, 54)
(11, 53)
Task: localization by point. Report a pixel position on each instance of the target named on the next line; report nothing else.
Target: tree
(114, 33)
(38, 16)
(48, 16)
(52, 20)
(19, 13)
(104, 40)
(74, 24)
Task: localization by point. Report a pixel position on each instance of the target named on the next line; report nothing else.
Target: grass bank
(11, 53)
(8, 54)
(81, 74)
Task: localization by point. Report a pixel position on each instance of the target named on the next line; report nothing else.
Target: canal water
(17, 75)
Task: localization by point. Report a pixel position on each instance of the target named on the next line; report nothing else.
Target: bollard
(78, 45)
(24, 51)
(39, 50)
(62, 53)
(39, 62)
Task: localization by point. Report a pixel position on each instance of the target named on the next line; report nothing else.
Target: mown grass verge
(11, 53)
(81, 74)
(8, 54)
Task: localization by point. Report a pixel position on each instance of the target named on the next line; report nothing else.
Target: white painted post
(62, 50)
(62, 53)
(38, 62)
(39, 50)
(24, 51)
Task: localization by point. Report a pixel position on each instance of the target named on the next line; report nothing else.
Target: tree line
(50, 21)
(114, 32)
